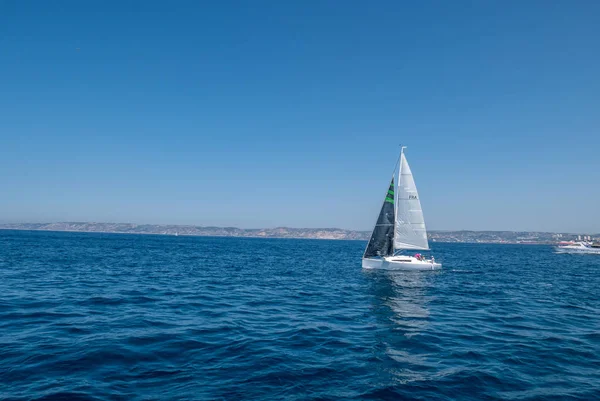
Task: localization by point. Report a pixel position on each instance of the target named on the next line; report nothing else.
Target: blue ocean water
(134, 317)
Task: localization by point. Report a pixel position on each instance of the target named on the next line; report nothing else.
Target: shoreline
(482, 242)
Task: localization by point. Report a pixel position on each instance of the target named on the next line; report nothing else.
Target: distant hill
(127, 228)
(511, 237)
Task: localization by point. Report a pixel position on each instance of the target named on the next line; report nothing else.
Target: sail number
(412, 197)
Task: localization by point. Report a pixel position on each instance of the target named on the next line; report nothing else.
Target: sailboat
(399, 227)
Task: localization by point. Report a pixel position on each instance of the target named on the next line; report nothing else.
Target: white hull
(581, 249)
(400, 263)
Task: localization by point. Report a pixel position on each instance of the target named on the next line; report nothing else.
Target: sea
(148, 317)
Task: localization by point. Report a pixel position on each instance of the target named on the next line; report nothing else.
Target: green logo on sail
(390, 194)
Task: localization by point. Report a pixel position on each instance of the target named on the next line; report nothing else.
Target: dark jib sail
(382, 239)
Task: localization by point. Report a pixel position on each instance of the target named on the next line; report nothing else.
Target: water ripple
(126, 317)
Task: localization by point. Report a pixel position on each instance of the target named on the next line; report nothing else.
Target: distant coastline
(463, 236)
(189, 230)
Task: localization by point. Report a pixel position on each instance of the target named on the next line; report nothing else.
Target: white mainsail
(409, 232)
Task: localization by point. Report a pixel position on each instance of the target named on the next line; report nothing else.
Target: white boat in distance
(579, 247)
(400, 226)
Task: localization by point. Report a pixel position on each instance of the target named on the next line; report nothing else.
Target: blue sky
(271, 113)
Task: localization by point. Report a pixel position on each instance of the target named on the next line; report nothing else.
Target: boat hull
(400, 263)
(578, 250)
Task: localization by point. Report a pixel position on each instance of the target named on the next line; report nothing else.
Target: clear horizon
(291, 114)
(284, 226)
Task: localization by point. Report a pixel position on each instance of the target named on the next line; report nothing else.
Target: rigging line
(397, 164)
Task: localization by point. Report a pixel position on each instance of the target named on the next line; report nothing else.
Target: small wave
(291, 320)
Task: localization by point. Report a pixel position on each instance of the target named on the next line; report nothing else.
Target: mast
(398, 172)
